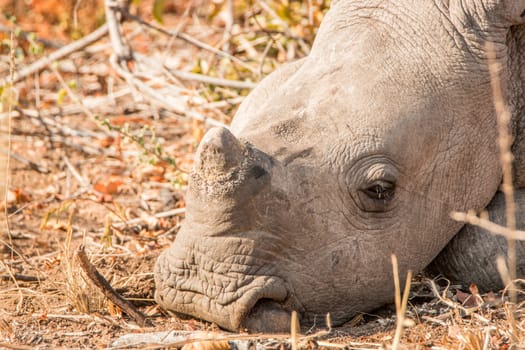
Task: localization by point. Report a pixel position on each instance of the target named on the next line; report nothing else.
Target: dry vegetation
(100, 149)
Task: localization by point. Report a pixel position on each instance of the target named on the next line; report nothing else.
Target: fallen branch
(173, 212)
(22, 278)
(136, 221)
(99, 281)
(15, 346)
(114, 10)
(190, 40)
(42, 63)
(39, 168)
(159, 99)
(212, 80)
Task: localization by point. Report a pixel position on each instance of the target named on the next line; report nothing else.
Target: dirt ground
(98, 160)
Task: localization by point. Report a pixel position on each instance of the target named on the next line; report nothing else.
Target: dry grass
(401, 302)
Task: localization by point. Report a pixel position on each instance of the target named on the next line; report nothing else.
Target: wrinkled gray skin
(356, 152)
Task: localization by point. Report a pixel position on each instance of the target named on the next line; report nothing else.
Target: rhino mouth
(267, 315)
(232, 300)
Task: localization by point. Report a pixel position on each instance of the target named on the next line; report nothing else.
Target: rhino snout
(230, 293)
(222, 266)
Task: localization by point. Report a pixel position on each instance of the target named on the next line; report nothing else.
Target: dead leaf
(18, 196)
(106, 141)
(114, 310)
(466, 299)
(208, 345)
(110, 187)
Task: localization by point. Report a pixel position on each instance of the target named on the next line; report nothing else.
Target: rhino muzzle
(224, 293)
(214, 270)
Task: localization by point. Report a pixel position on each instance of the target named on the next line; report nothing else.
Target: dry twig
(505, 143)
(99, 281)
(114, 9)
(473, 219)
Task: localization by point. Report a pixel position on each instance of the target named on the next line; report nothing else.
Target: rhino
(358, 151)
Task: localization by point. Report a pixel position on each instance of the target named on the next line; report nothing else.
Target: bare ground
(90, 166)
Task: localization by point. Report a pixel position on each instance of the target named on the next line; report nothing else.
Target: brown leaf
(106, 141)
(110, 187)
(208, 345)
(18, 196)
(466, 299)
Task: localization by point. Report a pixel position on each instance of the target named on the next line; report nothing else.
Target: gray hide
(335, 162)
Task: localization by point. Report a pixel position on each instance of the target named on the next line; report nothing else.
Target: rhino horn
(227, 173)
(219, 153)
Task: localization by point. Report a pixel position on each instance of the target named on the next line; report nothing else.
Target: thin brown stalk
(401, 303)
(509, 308)
(505, 143)
(9, 100)
(294, 331)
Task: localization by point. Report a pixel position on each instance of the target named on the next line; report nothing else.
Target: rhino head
(335, 162)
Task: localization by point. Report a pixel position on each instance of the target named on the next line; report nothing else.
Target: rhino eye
(381, 191)
(372, 183)
(377, 197)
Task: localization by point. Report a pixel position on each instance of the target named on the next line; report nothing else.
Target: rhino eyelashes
(384, 191)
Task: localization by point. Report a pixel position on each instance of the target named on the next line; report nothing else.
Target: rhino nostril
(258, 172)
